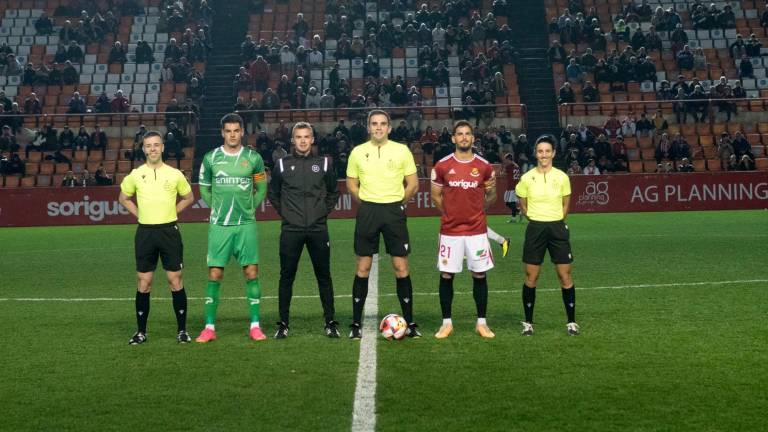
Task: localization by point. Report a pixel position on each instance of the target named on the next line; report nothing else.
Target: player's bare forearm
(353, 187)
(436, 192)
(490, 196)
(260, 191)
(566, 205)
(129, 205)
(185, 202)
(490, 192)
(411, 187)
(523, 206)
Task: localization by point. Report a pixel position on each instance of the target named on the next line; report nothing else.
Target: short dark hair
(231, 118)
(551, 140)
(378, 112)
(462, 123)
(151, 134)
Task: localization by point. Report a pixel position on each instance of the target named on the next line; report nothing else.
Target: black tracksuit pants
(291, 247)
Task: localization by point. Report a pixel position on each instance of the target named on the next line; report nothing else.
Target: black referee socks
(180, 308)
(359, 293)
(529, 300)
(142, 311)
(405, 295)
(569, 300)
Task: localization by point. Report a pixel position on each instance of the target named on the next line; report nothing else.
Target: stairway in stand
(537, 90)
(230, 25)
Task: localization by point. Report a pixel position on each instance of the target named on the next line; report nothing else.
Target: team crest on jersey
(475, 172)
(315, 168)
(244, 163)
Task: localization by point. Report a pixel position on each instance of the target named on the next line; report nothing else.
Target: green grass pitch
(672, 308)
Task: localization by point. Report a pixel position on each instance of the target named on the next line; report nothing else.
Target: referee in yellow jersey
(375, 174)
(545, 193)
(156, 186)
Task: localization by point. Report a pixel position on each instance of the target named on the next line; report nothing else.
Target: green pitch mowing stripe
(671, 306)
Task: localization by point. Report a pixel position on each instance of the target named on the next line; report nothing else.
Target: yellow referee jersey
(381, 170)
(156, 191)
(544, 194)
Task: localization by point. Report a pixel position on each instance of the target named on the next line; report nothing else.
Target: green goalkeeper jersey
(227, 185)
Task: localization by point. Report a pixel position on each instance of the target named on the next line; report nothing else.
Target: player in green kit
(232, 183)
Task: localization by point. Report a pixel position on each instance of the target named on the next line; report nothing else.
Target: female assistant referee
(544, 193)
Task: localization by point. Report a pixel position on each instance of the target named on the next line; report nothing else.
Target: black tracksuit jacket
(303, 191)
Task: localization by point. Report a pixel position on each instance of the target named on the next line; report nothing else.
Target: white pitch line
(429, 293)
(364, 410)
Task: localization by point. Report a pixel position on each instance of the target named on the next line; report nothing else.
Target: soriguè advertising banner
(590, 194)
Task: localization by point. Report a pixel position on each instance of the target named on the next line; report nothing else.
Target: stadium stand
(604, 44)
(72, 71)
(334, 60)
(330, 61)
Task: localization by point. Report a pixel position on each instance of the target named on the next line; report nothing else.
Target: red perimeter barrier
(598, 194)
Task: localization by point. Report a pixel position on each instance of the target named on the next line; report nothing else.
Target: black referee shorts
(541, 237)
(163, 241)
(388, 220)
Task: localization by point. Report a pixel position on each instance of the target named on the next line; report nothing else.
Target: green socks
(211, 301)
(253, 294)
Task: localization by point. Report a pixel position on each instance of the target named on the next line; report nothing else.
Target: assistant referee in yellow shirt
(156, 187)
(545, 193)
(375, 174)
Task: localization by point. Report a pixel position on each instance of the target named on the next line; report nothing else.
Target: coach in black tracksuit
(303, 190)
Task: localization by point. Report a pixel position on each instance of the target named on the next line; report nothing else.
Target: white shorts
(453, 250)
(510, 196)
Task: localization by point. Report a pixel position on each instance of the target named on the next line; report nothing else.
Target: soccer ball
(393, 326)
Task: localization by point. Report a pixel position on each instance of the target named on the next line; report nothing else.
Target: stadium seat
(11, 181)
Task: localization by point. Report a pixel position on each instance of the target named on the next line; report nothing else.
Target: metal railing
(713, 108)
(126, 123)
(424, 115)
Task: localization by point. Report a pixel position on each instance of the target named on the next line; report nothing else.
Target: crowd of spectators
(180, 56)
(735, 152)
(577, 26)
(84, 179)
(54, 145)
(483, 46)
(588, 151)
(593, 150)
(692, 99)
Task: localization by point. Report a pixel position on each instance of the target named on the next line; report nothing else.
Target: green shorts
(242, 241)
